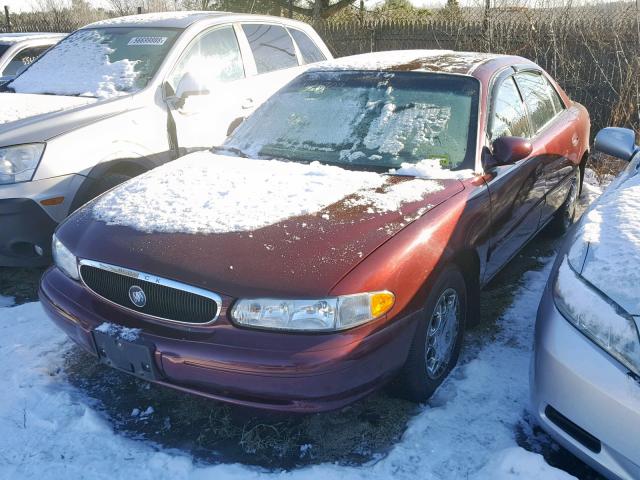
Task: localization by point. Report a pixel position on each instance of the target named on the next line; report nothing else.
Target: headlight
(18, 163)
(598, 317)
(325, 314)
(64, 259)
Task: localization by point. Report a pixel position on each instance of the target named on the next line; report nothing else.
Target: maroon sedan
(337, 240)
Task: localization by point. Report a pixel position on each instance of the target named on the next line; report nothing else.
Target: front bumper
(583, 398)
(328, 375)
(27, 224)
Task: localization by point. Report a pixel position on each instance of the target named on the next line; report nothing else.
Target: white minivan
(119, 97)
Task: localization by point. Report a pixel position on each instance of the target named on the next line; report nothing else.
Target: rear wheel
(438, 339)
(565, 216)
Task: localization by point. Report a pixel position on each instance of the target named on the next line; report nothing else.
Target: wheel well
(582, 166)
(469, 264)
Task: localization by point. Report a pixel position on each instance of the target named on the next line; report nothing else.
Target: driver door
(204, 116)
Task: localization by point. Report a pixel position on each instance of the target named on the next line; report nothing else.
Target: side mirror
(508, 150)
(189, 86)
(617, 142)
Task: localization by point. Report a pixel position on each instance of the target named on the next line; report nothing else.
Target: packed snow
(79, 66)
(466, 431)
(15, 106)
(425, 60)
(431, 168)
(612, 232)
(124, 333)
(208, 193)
(392, 197)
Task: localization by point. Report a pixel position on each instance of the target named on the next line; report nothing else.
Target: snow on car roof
(445, 61)
(158, 20)
(10, 38)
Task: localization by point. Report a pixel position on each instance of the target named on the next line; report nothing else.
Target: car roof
(442, 61)
(182, 19)
(11, 38)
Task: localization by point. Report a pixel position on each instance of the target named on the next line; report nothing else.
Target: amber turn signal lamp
(50, 202)
(381, 303)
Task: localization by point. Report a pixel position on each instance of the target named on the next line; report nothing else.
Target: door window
(509, 115)
(23, 59)
(272, 47)
(542, 100)
(309, 51)
(212, 59)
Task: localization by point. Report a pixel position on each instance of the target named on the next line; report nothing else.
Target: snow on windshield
(374, 119)
(88, 64)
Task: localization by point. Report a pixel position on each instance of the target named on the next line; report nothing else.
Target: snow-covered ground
(468, 431)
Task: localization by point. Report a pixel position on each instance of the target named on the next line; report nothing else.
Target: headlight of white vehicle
(64, 259)
(18, 163)
(598, 317)
(318, 315)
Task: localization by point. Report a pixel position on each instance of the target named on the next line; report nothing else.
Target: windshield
(368, 119)
(99, 62)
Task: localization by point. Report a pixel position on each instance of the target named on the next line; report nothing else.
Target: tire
(426, 367)
(566, 214)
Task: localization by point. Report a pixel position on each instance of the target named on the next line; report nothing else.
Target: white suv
(119, 97)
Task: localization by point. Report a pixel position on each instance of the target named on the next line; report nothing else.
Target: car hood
(250, 227)
(27, 118)
(608, 242)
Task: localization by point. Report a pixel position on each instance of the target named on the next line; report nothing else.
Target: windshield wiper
(226, 148)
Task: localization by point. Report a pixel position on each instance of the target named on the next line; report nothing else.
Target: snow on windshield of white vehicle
(368, 119)
(100, 62)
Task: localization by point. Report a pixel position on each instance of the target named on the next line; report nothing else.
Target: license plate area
(130, 357)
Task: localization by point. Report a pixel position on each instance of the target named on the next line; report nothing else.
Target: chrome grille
(165, 299)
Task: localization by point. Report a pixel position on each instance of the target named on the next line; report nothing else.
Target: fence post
(7, 17)
(139, 10)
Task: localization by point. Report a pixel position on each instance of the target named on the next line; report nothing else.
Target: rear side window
(509, 115)
(213, 58)
(542, 100)
(310, 53)
(272, 47)
(23, 59)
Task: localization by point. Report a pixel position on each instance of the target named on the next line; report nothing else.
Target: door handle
(247, 103)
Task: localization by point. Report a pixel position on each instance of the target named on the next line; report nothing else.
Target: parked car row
(324, 227)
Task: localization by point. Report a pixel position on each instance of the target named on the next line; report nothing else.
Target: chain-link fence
(593, 51)
(595, 56)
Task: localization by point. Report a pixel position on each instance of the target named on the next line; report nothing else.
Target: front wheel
(438, 339)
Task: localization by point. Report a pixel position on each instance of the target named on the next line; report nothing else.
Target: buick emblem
(137, 296)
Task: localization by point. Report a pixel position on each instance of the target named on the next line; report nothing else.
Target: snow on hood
(15, 107)
(612, 232)
(88, 71)
(431, 169)
(208, 193)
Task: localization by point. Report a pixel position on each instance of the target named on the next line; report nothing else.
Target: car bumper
(306, 380)
(27, 224)
(583, 398)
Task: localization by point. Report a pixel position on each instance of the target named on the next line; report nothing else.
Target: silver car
(122, 96)
(586, 368)
(19, 50)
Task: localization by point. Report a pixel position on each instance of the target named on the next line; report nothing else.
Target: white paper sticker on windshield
(155, 41)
